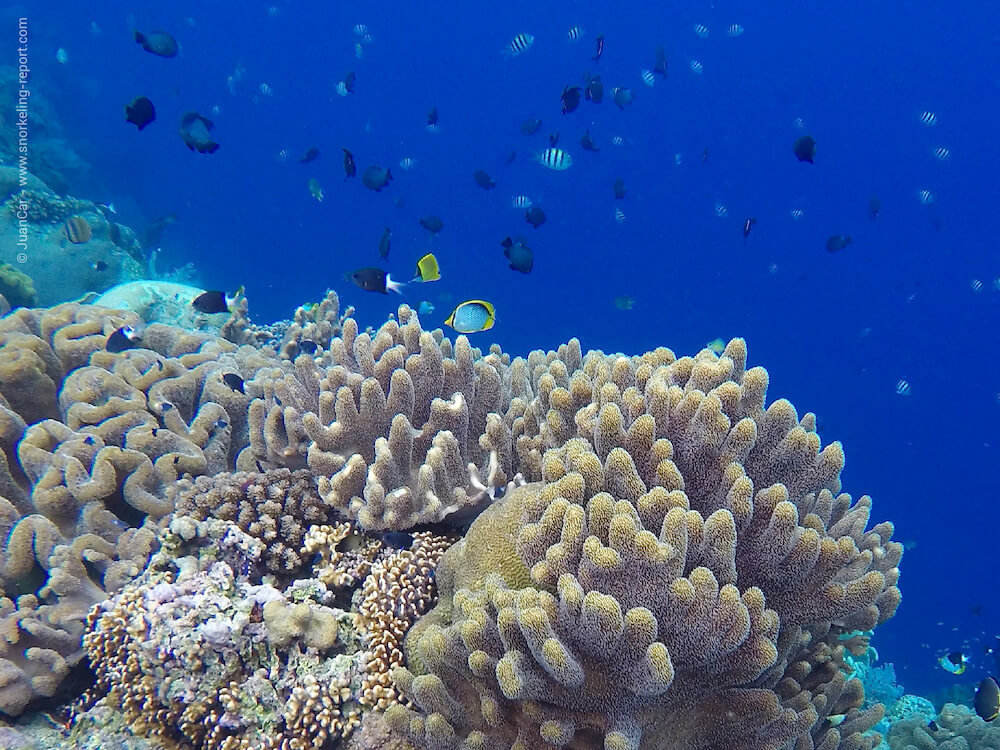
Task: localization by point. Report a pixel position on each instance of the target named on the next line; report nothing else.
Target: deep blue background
(836, 331)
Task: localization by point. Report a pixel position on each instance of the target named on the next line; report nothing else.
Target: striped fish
(77, 230)
(521, 201)
(520, 43)
(928, 118)
(575, 33)
(647, 77)
(555, 158)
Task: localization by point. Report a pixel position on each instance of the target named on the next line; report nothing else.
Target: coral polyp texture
(690, 564)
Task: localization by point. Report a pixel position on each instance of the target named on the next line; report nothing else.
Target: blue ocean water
(837, 331)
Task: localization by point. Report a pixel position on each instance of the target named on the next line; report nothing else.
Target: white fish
(283, 155)
(647, 78)
(926, 197)
(903, 388)
(619, 215)
(62, 55)
(575, 34)
(798, 123)
(520, 201)
(266, 89)
(360, 29)
(720, 210)
(521, 43)
(701, 30)
(928, 118)
(342, 88)
(618, 140)
(977, 285)
(217, 110)
(555, 159)
(734, 31)
(941, 153)
(796, 213)
(696, 67)
(407, 163)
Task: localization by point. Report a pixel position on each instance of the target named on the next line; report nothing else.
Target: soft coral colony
(655, 558)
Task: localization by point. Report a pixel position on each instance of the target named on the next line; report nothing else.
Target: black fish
(349, 82)
(520, 255)
(99, 266)
(214, 302)
(805, 148)
(619, 188)
(553, 139)
(623, 97)
(933, 725)
(311, 154)
(570, 99)
(987, 701)
(600, 48)
(874, 206)
(375, 280)
(234, 381)
(140, 112)
(535, 216)
(376, 178)
(484, 180)
(195, 132)
(661, 62)
(432, 224)
(158, 42)
(350, 169)
(432, 118)
(587, 142)
(530, 127)
(309, 347)
(123, 338)
(595, 89)
(747, 226)
(837, 242)
(397, 539)
(383, 244)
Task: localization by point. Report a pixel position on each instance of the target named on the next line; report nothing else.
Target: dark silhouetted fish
(747, 226)
(530, 127)
(376, 178)
(484, 180)
(432, 120)
(214, 302)
(350, 169)
(158, 42)
(570, 99)
(349, 82)
(587, 142)
(233, 381)
(308, 347)
(661, 62)
(140, 112)
(398, 539)
(152, 234)
(623, 97)
(805, 148)
(600, 48)
(837, 242)
(376, 280)
(384, 243)
(195, 132)
(594, 90)
(619, 188)
(519, 254)
(432, 224)
(126, 337)
(99, 266)
(311, 154)
(535, 216)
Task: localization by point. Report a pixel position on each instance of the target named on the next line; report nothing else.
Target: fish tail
(395, 286)
(139, 37)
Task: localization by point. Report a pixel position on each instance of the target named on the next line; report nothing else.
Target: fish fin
(396, 286)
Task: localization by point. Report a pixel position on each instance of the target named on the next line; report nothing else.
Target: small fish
(617, 140)
(234, 382)
(265, 89)
(624, 302)
(747, 226)
(835, 720)
(928, 118)
(696, 67)
(308, 347)
(432, 120)
(194, 131)
(661, 62)
(587, 143)
(837, 242)
(384, 243)
(554, 139)
(407, 163)
(140, 112)
(106, 209)
(158, 42)
(575, 34)
(874, 206)
(432, 224)
(311, 154)
(716, 346)
(376, 178)
(427, 269)
(594, 90)
(701, 30)
(520, 201)
(647, 77)
(619, 215)
(956, 662)
(942, 154)
(472, 316)
(556, 159)
(926, 197)
(720, 210)
(342, 89)
(622, 97)
(350, 168)
(425, 308)
(977, 285)
(77, 229)
(570, 98)
(214, 302)
(376, 280)
(62, 56)
(805, 148)
(987, 700)
(359, 51)
(121, 339)
(734, 31)
(600, 48)
(520, 43)
(315, 190)
(519, 254)
(903, 389)
(535, 216)
(484, 180)
(796, 214)
(397, 539)
(933, 725)
(530, 127)
(619, 188)
(360, 29)
(99, 266)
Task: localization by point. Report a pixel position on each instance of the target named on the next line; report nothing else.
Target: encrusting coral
(691, 565)
(957, 727)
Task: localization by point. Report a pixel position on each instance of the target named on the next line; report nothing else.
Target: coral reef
(958, 728)
(17, 288)
(692, 564)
